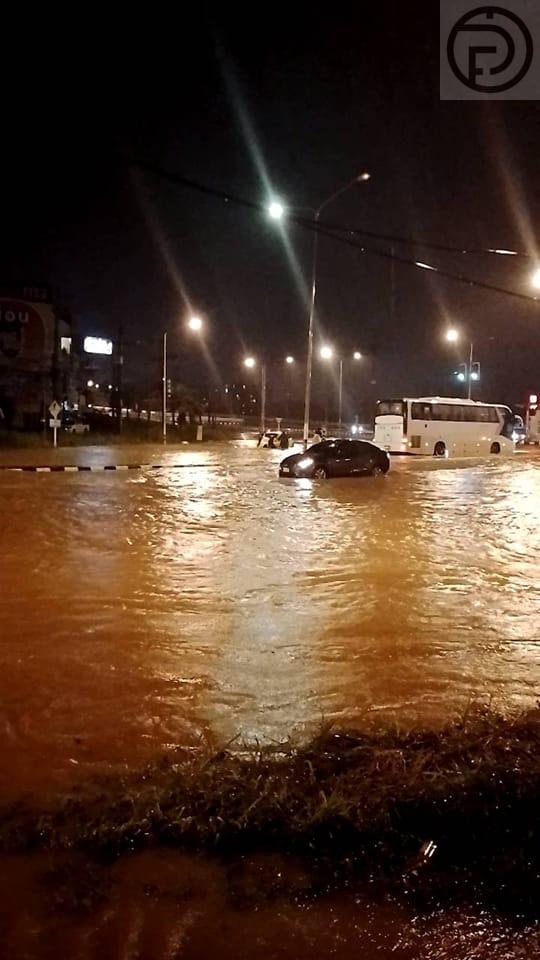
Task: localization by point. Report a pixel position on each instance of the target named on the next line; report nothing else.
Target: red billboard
(22, 332)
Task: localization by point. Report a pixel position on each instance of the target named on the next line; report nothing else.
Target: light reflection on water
(141, 610)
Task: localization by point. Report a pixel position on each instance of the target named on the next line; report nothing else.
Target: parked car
(74, 424)
(337, 458)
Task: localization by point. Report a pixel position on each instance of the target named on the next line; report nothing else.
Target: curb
(73, 468)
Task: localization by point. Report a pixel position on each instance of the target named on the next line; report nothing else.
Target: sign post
(54, 422)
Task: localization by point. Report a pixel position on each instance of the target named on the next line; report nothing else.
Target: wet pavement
(147, 609)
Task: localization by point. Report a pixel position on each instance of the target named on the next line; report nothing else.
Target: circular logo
(490, 49)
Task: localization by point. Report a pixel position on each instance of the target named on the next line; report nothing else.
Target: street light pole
(469, 378)
(263, 397)
(340, 403)
(309, 360)
(164, 394)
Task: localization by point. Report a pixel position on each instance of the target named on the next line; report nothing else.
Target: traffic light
(475, 371)
(461, 372)
(533, 402)
(169, 388)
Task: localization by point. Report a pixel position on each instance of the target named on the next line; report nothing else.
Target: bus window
(390, 407)
(421, 411)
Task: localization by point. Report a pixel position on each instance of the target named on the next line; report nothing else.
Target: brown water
(166, 906)
(147, 609)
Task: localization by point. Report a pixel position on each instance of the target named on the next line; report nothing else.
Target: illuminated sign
(533, 399)
(98, 345)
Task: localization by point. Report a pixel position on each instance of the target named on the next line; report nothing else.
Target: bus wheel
(495, 448)
(440, 449)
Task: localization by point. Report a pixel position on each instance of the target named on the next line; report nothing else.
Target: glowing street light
(195, 324)
(89, 383)
(276, 210)
(467, 372)
(251, 363)
(289, 359)
(326, 353)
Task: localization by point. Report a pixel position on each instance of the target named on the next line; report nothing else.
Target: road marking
(108, 467)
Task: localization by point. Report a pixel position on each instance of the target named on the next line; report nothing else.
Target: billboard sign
(22, 334)
(98, 345)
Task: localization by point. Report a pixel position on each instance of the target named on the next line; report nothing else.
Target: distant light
(326, 353)
(110, 386)
(354, 428)
(505, 253)
(533, 399)
(452, 336)
(276, 210)
(195, 323)
(97, 345)
(249, 362)
(425, 266)
(89, 383)
(475, 375)
(535, 279)
(357, 355)
(289, 359)
(365, 175)
(96, 386)
(461, 377)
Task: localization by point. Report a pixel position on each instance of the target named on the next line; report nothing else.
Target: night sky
(281, 102)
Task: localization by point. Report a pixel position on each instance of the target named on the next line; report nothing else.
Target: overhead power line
(343, 234)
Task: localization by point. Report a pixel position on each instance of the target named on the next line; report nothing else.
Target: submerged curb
(75, 468)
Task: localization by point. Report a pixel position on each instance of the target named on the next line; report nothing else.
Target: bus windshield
(393, 407)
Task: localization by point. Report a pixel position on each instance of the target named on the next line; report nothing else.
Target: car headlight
(305, 463)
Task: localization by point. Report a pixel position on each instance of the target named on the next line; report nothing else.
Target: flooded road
(166, 906)
(152, 608)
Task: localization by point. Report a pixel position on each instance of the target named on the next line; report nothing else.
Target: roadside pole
(164, 397)
(54, 422)
(263, 398)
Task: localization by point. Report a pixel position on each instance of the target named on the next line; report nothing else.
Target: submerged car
(337, 458)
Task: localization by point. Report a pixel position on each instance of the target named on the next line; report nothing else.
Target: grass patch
(352, 804)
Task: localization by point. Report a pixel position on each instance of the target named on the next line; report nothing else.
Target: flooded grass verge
(441, 817)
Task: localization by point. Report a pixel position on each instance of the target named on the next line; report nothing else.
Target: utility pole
(164, 394)
(117, 378)
(340, 403)
(263, 397)
(469, 394)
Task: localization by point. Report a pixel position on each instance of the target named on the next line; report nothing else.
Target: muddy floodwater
(149, 608)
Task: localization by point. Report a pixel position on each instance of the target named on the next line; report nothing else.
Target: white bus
(444, 427)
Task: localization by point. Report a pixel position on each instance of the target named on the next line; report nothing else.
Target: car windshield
(322, 446)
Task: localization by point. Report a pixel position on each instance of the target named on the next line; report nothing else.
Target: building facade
(38, 359)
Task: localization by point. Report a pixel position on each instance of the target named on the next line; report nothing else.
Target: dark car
(337, 458)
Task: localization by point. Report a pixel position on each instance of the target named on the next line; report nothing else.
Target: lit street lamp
(276, 211)
(251, 363)
(327, 353)
(471, 371)
(194, 324)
